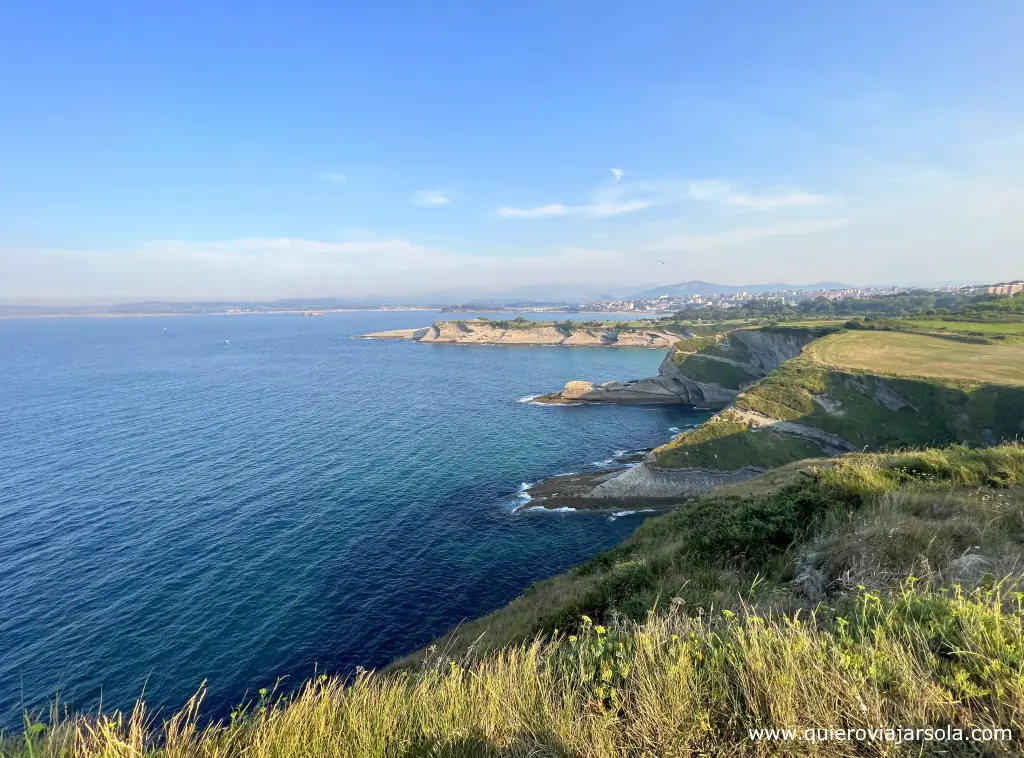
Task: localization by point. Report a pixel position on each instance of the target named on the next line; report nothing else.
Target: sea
(247, 500)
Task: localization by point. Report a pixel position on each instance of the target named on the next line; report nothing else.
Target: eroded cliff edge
(807, 406)
(484, 331)
(705, 372)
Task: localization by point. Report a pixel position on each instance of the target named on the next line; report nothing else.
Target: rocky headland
(523, 332)
(705, 372)
(782, 398)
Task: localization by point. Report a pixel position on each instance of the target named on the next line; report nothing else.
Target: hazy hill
(684, 289)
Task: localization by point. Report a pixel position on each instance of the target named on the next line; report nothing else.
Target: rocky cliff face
(688, 376)
(645, 482)
(483, 332)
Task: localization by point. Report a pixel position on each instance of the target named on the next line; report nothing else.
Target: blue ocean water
(242, 498)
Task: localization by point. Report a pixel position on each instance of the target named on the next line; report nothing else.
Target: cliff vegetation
(861, 592)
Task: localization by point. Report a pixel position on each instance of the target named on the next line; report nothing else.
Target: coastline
(568, 492)
(484, 331)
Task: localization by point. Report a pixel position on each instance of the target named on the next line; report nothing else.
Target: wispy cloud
(338, 179)
(266, 268)
(559, 209)
(618, 196)
(715, 191)
(714, 240)
(430, 198)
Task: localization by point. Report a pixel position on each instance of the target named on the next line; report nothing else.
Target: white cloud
(715, 191)
(617, 173)
(713, 240)
(558, 209)
(338, 179)
(430, 198)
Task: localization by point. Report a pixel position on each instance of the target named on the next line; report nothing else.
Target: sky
(197, 150)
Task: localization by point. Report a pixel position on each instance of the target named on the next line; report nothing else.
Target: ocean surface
(238, 499)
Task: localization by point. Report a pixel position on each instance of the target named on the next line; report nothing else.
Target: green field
(709, 370)
(911, 354)
(875, 389)
(986, 328)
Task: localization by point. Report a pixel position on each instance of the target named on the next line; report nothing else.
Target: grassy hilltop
(835, 590)
(869, 388)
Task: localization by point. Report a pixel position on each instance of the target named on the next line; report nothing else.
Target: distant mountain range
(685, 289)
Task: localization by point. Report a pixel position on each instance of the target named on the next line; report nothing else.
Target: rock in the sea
(645, 481)
(575, 389)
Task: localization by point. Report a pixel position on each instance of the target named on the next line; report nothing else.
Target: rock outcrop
(830, 443)
(575, 390)
(970, 570)
(486, 332)
(646, 482)
(755, 352)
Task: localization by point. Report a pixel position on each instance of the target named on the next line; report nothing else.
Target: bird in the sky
(617, 173)
(661, 262)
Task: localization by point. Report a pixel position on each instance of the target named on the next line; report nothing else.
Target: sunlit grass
(719, 645)
(680, 684)
(911, 354)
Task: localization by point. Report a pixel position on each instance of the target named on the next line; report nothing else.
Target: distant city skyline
(233, 151)
(668, 297)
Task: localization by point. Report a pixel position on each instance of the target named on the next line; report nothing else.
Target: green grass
(697, 358)
(937, 411)
(676, 685)
(723, 444)
(862, 404)
(732, 348)
(564, 326)
(710, 371)
(809, 329)
(981, 328)
(691, 636)
(921, 355)
(866, 408)
(686, 347)
(710, 330)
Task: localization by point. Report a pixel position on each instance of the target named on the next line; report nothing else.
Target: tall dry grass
(676, 685)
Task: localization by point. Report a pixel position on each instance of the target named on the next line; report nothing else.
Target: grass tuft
(677, 684)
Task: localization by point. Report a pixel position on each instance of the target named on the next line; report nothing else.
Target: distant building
(1006, 288)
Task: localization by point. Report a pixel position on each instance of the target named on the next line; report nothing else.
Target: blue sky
(271, 149)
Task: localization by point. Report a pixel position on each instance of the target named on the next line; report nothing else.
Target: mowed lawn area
(984, 327)
(922, 355)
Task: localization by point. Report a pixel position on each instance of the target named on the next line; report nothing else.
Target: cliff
(566, 334)
(825, 402)
(706, 372)
(817, 531)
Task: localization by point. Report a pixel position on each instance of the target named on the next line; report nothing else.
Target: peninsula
(791, 392)
(521, 331)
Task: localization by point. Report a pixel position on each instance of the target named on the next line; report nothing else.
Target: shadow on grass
(534, 745)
